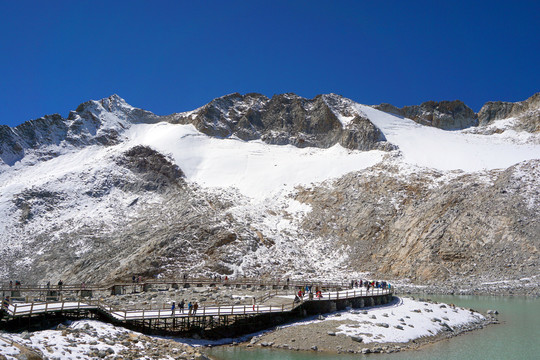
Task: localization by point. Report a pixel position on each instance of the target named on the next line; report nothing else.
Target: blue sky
(172, 56)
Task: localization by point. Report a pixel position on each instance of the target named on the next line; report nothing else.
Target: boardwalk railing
(172, 281)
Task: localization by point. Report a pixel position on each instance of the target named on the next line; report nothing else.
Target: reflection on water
(517, 337)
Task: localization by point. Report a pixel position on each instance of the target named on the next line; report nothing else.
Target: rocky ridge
(286, 119)
(455, 115)
(283, 119)
(527, 113)
(446, 115)
(92, 123)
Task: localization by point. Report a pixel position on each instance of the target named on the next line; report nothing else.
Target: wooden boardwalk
(211, 319)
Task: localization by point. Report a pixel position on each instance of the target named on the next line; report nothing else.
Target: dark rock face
(361, 134)
(156, 170)
(527, 112)
(285, 119)
(446, 115)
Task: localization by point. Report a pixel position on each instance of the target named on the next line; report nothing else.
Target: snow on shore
(400, 321)
(407, 320)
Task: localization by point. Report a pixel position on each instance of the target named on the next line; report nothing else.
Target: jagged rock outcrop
(286, 119)
(526, 112)
(446, 115)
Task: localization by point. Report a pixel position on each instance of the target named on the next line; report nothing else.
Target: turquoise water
(517, 337)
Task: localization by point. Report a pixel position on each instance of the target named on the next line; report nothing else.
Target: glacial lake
(516, 337)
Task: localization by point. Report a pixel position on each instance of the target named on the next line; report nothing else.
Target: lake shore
(404, 324)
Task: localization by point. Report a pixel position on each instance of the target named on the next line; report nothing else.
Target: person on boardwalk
(173, 306)
(189, 307)
(60, 284)
(253, 302)
(181, 306)
(301, 295)
(195, 307)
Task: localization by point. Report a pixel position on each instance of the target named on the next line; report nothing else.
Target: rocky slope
(112, 190)
(526, 112)
(447, 115)
(429, 230)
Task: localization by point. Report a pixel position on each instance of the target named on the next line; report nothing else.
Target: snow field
(444, 150)
(256, 169)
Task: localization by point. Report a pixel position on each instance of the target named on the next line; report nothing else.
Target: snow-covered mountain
(268, 186)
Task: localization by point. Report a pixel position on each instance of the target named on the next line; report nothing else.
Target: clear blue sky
(172, 56)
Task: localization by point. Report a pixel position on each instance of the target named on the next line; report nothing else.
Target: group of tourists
(17, 285)
(191, 307)
(307, 289)
(370, 284)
